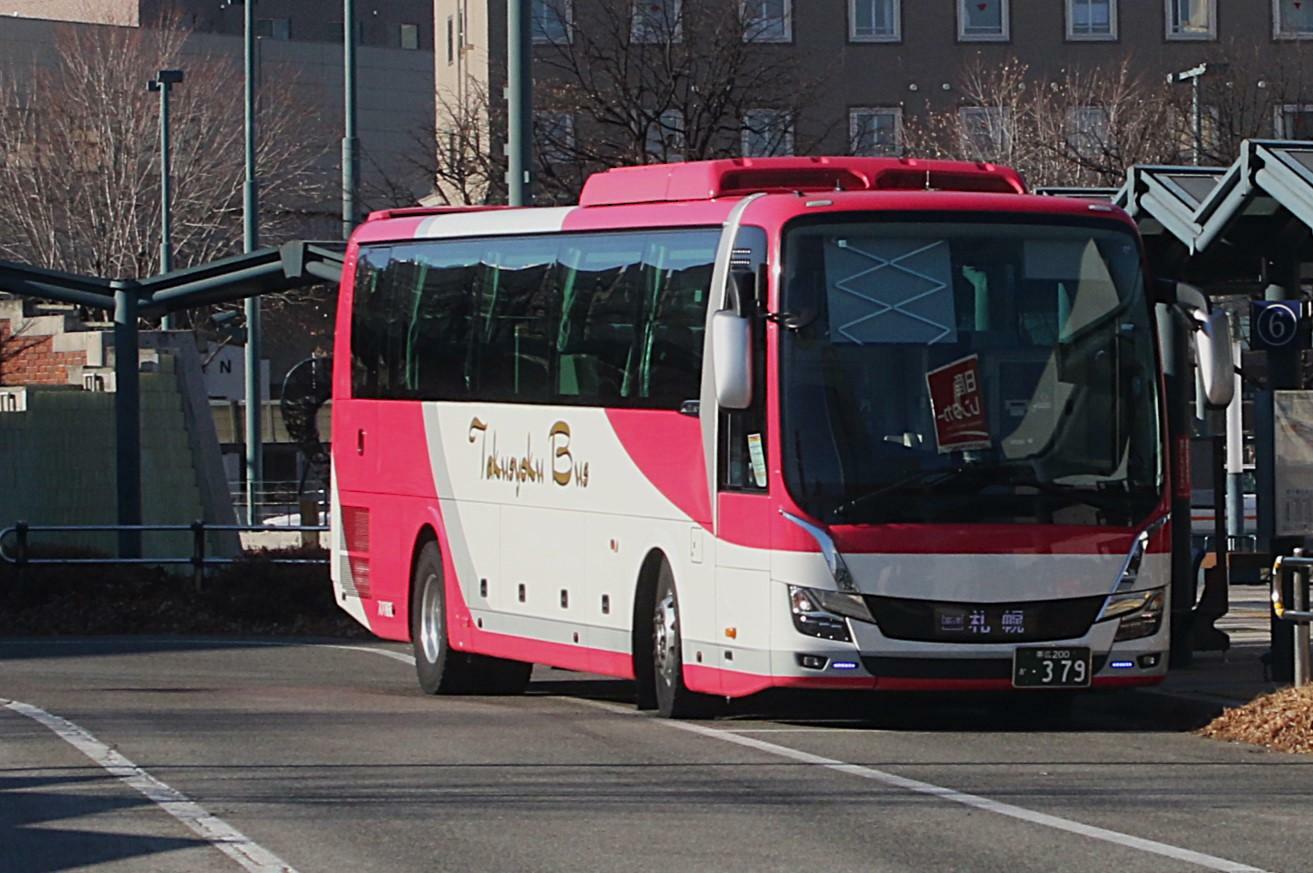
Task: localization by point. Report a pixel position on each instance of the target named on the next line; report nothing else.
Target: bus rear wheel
(440, 669)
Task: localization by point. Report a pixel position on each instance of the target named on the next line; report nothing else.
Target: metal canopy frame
(1078, 193)
(1270, 177)
(295, 264)
(1166, 198)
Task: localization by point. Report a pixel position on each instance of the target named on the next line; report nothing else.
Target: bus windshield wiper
(920, 477)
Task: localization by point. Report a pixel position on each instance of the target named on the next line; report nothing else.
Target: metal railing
(1298, 565)
(199, 558)
(273, 499)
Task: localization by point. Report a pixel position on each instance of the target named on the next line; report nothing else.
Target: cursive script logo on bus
(528, 468)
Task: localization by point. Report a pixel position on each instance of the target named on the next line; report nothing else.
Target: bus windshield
(941, 371)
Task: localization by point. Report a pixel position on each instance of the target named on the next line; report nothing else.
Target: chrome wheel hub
(665, 636)
(430, 618)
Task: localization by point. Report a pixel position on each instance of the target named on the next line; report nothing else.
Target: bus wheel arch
(426, 534)
(640, 643)
(658, 626)
(440, 668)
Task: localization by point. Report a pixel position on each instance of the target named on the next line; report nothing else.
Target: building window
(451, 40)
(984, 132)
(768, 20)
(1092, 19)
(982, 20)
(1191, 19)
(875, 20)
(1295, 121)
(410, 37)
(554, 135)
(656, 21)
(665, 137)
(1292, 19)
(551, 21)
(767, 133)
(875, 131)
(1087, 131)
(274, 28)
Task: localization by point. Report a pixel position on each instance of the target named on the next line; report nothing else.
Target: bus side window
(743, 432)
(368, 322)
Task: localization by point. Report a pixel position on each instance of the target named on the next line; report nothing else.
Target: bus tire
(673, 699)
(440, 669)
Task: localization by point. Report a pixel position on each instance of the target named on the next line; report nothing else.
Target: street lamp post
(519, 102)
(350, 161)
(251, 240)
(1193, 75)
(163, 83)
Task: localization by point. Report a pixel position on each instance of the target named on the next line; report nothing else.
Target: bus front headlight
(1140, 613)
(819, 613)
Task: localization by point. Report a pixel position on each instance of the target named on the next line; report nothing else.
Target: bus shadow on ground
(1021, 711)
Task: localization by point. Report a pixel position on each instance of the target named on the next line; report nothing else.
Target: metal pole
(127, 421)
(1173, 340)
(350, 151)
(1198, 119)
(1302, 666)
(164, 82)
(1282, 374)
(1235, 458)
(519, 100)
(251, 228)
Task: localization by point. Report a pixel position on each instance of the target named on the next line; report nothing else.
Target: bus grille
(1029, 621)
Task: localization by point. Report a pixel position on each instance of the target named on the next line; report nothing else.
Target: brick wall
(32, 360)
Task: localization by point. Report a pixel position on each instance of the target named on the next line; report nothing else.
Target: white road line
(215, 831)
(975, 801)
(796, 730)
(387, 653)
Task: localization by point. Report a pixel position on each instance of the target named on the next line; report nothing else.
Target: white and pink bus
(735, 425)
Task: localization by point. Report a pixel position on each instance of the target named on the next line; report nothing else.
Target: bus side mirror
(731, 349)
(1213, 357)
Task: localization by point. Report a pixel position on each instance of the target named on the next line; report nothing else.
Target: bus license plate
(1051, 667)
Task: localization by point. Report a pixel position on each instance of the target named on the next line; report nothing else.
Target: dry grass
(1282, 720)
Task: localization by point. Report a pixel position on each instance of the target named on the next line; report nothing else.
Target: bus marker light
(732, 633)
(1122, 665)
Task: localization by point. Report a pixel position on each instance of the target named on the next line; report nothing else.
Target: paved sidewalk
(1235, 677)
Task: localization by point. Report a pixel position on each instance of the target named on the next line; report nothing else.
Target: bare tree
(1086, 126)
(620, 83)
(79, 155)
(1082, 128)
(674, 80)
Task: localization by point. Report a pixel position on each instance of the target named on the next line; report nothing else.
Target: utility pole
(350, 150)
(127, 420)
(251, 240)
(163, 82)
(519, 100)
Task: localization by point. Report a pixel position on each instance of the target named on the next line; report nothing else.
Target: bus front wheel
(673, 699)
(440, 669)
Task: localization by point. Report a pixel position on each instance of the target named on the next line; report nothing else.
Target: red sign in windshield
(958, 406)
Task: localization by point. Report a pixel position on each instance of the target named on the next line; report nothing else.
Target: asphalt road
(158, 755)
